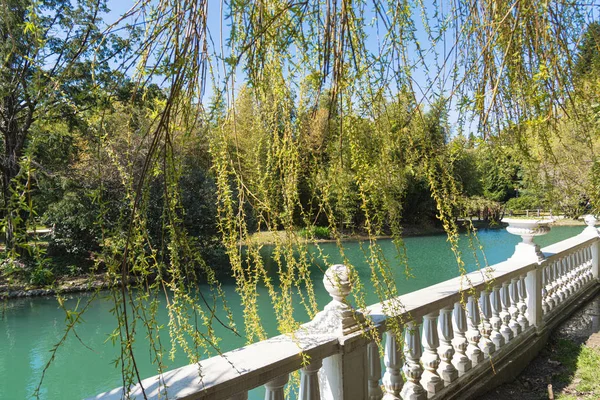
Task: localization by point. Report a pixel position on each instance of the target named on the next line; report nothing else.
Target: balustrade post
(459, 321)
(274, 388)
(590, 265)
(506, 331)
(551, 286)
(309, 381)
(570, 283)
(592, 253)
(344, 375)
(579, 269)
(496, 321)
(533, 286)
(559, 291)
(591, 231)
(412, 367)
(545, 295)
(485, 343)
(522, 305)
(473, 335)
(375, 392)
(514, 309)
(595, 256)
(446, 370)
(392, 379)
(430, 359)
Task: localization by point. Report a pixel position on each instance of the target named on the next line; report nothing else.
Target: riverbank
(64, 285)
(85, 283)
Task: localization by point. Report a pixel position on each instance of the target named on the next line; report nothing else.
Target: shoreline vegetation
(90, 282)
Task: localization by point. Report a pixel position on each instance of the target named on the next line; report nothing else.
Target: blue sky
(420, 73)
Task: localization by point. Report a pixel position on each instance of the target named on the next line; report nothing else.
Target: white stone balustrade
(460, 343)
(392, 380)
(446, 369)
(274, 388)
(486, 344)
(430, 359)
(496, 321)
(413, 370)
(309, 381)
(448, 331)
(374, 368)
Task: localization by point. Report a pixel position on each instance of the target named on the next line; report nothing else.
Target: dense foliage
(352, 118)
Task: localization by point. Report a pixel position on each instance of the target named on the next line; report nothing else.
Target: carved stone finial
(590, 221)
(338, 317)
(337, 282)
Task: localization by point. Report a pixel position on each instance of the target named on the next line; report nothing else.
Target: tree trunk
(14, 134)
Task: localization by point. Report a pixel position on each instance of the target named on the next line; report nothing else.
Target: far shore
(98, 281)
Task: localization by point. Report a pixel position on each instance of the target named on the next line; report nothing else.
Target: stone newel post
(344, 375)
(528, 251)
(591, 230)
(527, 229)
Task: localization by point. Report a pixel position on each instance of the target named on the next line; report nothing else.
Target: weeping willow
(309, 108)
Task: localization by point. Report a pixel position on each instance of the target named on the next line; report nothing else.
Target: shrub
(315, 232)
(526, 202)
(73, 222)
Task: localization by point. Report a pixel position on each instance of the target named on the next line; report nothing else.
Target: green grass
(582, 372)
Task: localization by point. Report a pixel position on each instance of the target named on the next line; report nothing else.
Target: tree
(588, 57)
(513, 74)
(45, 70)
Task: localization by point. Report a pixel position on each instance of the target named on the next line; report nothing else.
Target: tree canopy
(157, 146)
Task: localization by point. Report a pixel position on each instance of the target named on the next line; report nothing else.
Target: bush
(526, 202)
(315, 232)
(73, 222)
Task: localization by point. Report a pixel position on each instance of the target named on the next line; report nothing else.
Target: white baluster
(564, 280)
(545, 296)
(374, 364)
(430, 359)
(593, 262)
(459, 322)
(485, 343)
(522, 304)
(514, 309)
(590, 254)
(309, 381)
(581, 267)
(473, 336)
(585, 266)
(446, 370)
(274, 388)
(557, 283)
(570, 287)
(496, 321)
(412, 389)
(392, 379)
(506, 331)
(576, 270)
(550, 286)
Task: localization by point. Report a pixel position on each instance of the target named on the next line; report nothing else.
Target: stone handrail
(453, 338)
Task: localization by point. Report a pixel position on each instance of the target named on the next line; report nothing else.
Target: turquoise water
(29, 328)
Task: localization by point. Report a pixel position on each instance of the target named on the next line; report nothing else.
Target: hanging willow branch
(320, 111)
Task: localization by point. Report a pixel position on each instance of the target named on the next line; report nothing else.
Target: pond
(29, 328)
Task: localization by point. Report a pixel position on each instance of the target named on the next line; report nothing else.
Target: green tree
(588, 57)
(45, 70)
